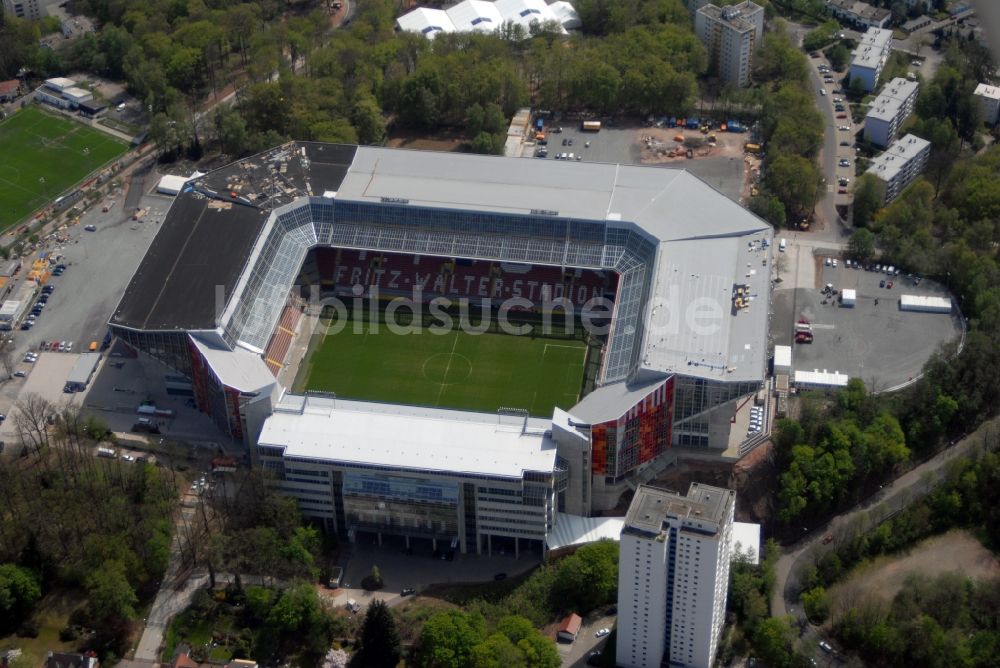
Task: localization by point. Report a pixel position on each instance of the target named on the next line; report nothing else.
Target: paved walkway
(902, 492)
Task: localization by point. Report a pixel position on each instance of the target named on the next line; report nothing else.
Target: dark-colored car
(881, 283)
(500, 576)
(408, 591)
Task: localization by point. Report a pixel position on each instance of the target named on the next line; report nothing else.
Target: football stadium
(495, 345)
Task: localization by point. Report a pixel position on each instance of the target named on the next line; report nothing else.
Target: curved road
(900, 493)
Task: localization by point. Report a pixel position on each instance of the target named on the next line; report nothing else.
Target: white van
(781, 245)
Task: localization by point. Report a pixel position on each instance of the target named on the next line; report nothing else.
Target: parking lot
(99, 265)
(124, 382)
(623, 145)
(874, 340)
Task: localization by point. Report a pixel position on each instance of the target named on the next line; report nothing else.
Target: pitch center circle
(447, 368)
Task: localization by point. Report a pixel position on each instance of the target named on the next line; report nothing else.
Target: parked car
(90, 228)
(408, 591)
(841, 115)
(19, 374)
(844, 128)
(602, 632)
(500, 576)
(881, 283)
(888, 285)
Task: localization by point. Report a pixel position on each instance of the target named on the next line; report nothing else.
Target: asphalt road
(897, 495)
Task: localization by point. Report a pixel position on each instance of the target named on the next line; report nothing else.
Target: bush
(28, 629)
(68, 634)
(816, 603)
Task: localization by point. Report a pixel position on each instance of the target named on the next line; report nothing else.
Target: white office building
(730, 35)
(893, 106)
(673, 576)
(989, 102)
(870, 57)
(902, 162)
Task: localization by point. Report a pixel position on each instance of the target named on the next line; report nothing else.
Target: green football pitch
(481, 372)
(44, 154)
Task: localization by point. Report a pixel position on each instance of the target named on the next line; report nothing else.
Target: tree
(869, 194)
(838, 57)
(769, 208)
(19, 591)
(367, 118)
(816, 604)
(588, 578)
(862, 245)
(380, 646)
(794, 180)
(110, 598)
(448, 638)
(483, 143)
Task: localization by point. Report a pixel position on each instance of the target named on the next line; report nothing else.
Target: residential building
(673, 576)
(31, 10)
(870, 57)
(859, 14)
(893, 106)
(918, 23)
(989, 102)
(731, 35)
(902, 162)
(9, 90)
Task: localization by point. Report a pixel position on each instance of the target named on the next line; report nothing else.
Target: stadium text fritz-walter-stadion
(675, 275)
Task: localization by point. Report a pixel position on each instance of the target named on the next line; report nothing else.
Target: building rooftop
(239, 369)
(610, 402)
(735, 16)
(704, 508)
(874, 44)
(10, 86)
(986, 90)
(861, 9)
(888, 165)
(410, 438)
(892, 99)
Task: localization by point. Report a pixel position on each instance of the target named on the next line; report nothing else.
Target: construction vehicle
(590, 126)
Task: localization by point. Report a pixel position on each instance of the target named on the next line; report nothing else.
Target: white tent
(475, 15)
(427, 22)
(566, 14)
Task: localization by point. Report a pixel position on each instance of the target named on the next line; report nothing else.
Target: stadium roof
(571, 530)
(668, 204)
(408, 438)
(610, 402)
(679, 246)
(238, 369)
(746, 539)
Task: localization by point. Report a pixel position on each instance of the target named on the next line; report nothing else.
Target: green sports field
(44, 154)
(453, 370)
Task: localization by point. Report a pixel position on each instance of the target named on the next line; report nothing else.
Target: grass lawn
(452, 370)
(52, 615)
(43, 155)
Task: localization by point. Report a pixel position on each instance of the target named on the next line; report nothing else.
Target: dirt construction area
(666, 145)
(955, 551)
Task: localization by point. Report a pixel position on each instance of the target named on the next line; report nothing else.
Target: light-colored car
(69, 347)
(602, 632)
(62, 346)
